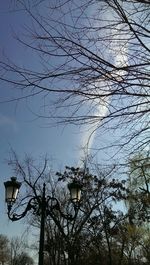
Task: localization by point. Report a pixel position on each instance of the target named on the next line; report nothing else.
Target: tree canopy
(103, 231)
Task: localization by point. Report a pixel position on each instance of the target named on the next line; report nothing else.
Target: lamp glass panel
(75, 194)
(11, 194)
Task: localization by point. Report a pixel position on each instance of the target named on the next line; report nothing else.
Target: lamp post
(40, 205)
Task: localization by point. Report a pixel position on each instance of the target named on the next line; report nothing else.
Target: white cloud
(89, 131)
(118, 53)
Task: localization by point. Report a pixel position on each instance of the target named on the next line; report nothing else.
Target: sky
(20, 130)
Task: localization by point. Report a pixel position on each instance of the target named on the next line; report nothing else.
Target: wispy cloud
(89, 131)
(118, 54)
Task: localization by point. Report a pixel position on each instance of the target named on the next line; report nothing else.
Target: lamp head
(11, 190)
(75, 190)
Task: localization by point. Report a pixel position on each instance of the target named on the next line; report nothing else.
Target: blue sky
(21, 130)
(24, 133)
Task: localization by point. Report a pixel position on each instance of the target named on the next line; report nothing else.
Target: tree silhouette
(94, 66)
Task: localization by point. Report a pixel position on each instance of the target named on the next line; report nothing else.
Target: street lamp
(40, 205)
(75, 190)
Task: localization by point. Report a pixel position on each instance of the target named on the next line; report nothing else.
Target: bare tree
(100, 233)
(94, 65)
(4, 250)
(65, 237)
(20, 252)
(138, 183)
(24, 259)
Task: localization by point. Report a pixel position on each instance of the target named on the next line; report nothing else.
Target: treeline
(112, 224)
(109, 228)
(14, 251)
